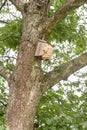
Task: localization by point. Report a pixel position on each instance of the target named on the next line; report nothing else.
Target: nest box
(44, 50)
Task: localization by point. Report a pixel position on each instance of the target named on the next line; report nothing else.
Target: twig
(3, 4)
(2, 21)
(3, 103)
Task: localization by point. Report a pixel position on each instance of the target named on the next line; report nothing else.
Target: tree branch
(63, 71)
(61, 14)
(3, 4)
(5, 105)
(4, 22)
(4, 73)
(18, 4)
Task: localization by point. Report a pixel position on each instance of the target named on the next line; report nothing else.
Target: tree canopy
(64, 106)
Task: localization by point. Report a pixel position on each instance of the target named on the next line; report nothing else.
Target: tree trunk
(22, 105)
(25, 81)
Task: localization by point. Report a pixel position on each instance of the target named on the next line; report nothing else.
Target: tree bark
(4, 73)
(63, 71)
(25, 91)
(25, 81)
(23, 101)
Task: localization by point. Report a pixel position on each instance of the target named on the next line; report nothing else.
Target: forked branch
(63, 71)
(18, 4)
(61, 14)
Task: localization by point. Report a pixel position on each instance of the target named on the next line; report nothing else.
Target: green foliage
(8, 59)
(57, 3)
(54, 5)
(62, 110)
(3, 102)
(66, 30)
(3, 127)
(69, 31)
(10, 35)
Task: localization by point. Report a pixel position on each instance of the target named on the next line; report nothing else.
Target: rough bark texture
(4, 73)
(63, 71)
(27, 82)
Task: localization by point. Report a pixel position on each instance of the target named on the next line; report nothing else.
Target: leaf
(84, 124)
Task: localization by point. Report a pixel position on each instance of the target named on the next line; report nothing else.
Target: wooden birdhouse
(44, 50)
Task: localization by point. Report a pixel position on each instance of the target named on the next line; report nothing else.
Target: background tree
(29, 77)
